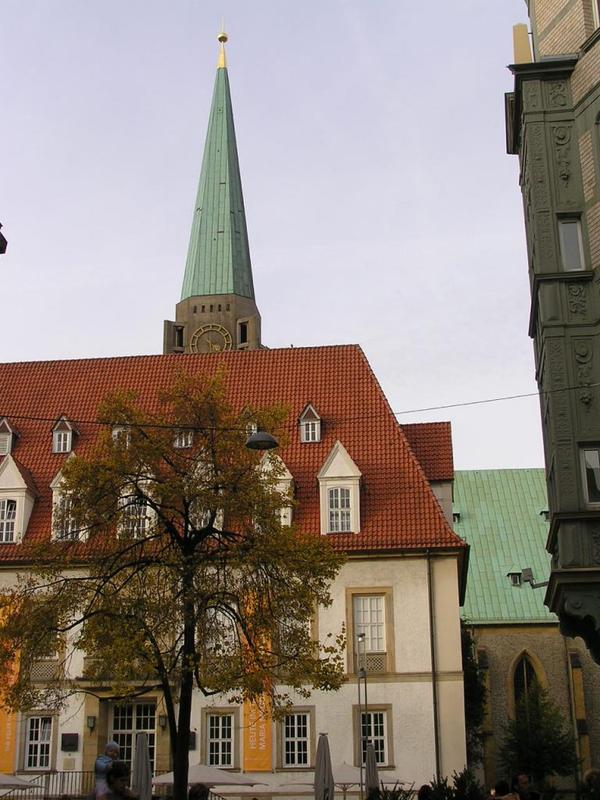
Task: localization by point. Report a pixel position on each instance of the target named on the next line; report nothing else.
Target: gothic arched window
(524, 679)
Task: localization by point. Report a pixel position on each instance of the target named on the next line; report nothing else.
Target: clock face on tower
(210, 339)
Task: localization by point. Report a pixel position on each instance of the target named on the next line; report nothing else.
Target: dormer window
(6, 437)
(310, 425)
(121, 435)
(62, 436)
(8, 515)
(285, 485)
(339, 482)
(183, 439)
(63, 522)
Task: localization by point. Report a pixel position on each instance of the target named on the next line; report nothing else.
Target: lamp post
(361, 675)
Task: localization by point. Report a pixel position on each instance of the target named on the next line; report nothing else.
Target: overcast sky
(382, 208)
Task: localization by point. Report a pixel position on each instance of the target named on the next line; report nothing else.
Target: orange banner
(258, 739)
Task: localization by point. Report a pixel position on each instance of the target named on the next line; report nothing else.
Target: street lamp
(361, 675)
(261, 440)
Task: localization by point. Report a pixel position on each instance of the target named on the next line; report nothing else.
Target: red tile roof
(431, 442)
(398, 509)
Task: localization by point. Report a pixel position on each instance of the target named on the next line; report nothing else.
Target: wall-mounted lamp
(162, 721)
(91, 722)
(519, 576)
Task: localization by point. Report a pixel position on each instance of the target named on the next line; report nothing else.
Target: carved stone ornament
(561, 136)
(539, 172)
(580, 616)
(532, 96)
(577, 299)
(583, 362)
(557, 94)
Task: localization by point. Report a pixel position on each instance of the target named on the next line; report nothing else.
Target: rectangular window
(339, 510)
(220, 740)
(61, 442)
(128, 720)
(591, 473)
(183, 439)
(135, 517)
(369, 619)
(242, 333)
(311, 431)
(121, 435)
(571, 244)
(596, 13)
(296, 732)
(5, 442)
(37, 745)
(374, 729)
(63, 522)
(8, 514)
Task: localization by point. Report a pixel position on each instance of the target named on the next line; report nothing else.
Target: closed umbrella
(141, 779)
(324, 785)
(371, 776)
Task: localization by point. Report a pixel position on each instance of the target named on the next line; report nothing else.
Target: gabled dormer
(339, 490)
(7, 437)
(310, 424)
(270, 463)
(17, 496)
(63, 434)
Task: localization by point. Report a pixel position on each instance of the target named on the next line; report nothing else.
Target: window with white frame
(136, 516)
(61, 441)
(571, 244)
(183, 439)
(38, 742)
(373, 728)
(339, 510)
(590, 457)
(220, 634)
(220, 739)
(310, 425)
(5, 443)
(129, 719)
(296, 739)
(63, 523)
(596, 13)
(369, 621)
(8, 515)
(121, 435)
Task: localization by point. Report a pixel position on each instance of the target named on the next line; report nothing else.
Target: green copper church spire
(218, 259)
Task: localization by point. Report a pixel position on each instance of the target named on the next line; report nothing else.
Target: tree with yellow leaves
(181, 573)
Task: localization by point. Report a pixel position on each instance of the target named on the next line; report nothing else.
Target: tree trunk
(181, 760)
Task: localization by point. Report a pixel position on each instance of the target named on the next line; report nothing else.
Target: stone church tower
(217, 310)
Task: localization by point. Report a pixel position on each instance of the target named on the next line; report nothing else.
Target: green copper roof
(500, 518)
(218, 260)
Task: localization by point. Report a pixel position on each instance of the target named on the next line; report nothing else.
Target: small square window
(311, 431)
(183, 439)
(61, 441)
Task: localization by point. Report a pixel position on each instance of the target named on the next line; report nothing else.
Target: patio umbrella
(371, 776)
(141, 779)
(14, 782)
(324, 785)
(211, 776)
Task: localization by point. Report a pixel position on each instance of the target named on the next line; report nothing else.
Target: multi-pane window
(183, 439)
(136, 517)
(373, 727)
(339, 510)
(8, 514)
(61, 441)
(5, 443)
(311, 431)
(296, 740)
(63, 523)
(128, 720)
(121, 435)
(221, 635)
(38, 741)
(369, 619)
(220, 740)
(591, 473)
(571, 244)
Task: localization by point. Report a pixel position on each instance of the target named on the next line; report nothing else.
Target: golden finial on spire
(222, 62)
